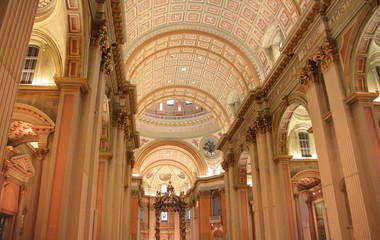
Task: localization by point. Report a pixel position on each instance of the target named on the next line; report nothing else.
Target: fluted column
(330, 171)
(256, 188)
(35, 185)
(16, 22)
(285, 207)
(21, 213)
(235, 218)
(118, 184)
(264, 159)
(108, 226)
(130, 161)
(227, 186)
(365, 212)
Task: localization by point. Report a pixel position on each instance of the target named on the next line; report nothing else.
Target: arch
(359, 35)
(201, 165)
(41, 38)
(281, 123)
(36, 124)
(307, 173)
(221, 114)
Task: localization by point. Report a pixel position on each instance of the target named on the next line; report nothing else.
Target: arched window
(29, 65)
(304, 144)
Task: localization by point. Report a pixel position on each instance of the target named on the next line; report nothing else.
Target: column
(365, 115)
(285, 195)
(16, 22)
(127, 219)
(35, 187)
(118, 186)
(258, 217)
(235, 216)
(365, 211)
(227, 217)
(21, 213)
(108, 227)
(224, 210)
(324, 142)
(270, 228)
(102, 187)
(134, 210)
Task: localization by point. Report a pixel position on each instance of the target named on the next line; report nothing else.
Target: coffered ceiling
(203, 51)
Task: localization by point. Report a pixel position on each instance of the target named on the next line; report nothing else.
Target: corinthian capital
(250, 135)
(307, 75)
(41, 153)
(262, 124)
(326, 54)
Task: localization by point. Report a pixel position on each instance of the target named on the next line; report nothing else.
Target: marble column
(234, 203)
(329, 167)
(364, 211)
(285, 207)
(130, 160)
(270, 226)
(227, 218)
(21, 214)
(35, 186)
(16, 22)
(256, 188)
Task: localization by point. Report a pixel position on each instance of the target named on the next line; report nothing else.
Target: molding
(73, 83)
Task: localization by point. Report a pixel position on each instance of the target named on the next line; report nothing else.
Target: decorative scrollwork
(307, 75)
(250, 135)
(326, 54)
(41, 153)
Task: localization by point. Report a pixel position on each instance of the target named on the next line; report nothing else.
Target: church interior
(189, 119)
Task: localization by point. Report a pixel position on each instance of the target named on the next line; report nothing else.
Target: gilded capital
(262, 124)
(307, 74)
(326, 54)
(41, 153)
(250, 135)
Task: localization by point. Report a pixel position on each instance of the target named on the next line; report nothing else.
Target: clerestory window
(304, 144)
(30, 65)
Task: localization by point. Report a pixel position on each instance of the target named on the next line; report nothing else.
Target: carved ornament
(307, 75)
(326, 54)
(250, 135)
(41, 153)
(262, 124)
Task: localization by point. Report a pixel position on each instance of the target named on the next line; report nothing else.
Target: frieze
(338, 13)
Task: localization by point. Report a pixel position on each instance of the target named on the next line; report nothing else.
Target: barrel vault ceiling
(203, 51)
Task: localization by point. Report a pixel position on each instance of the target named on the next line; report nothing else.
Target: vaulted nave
(189, 119)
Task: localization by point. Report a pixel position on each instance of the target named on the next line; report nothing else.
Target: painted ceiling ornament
(208, 146)
(165, 176)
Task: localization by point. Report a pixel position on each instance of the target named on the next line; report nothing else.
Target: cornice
(72, 83)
